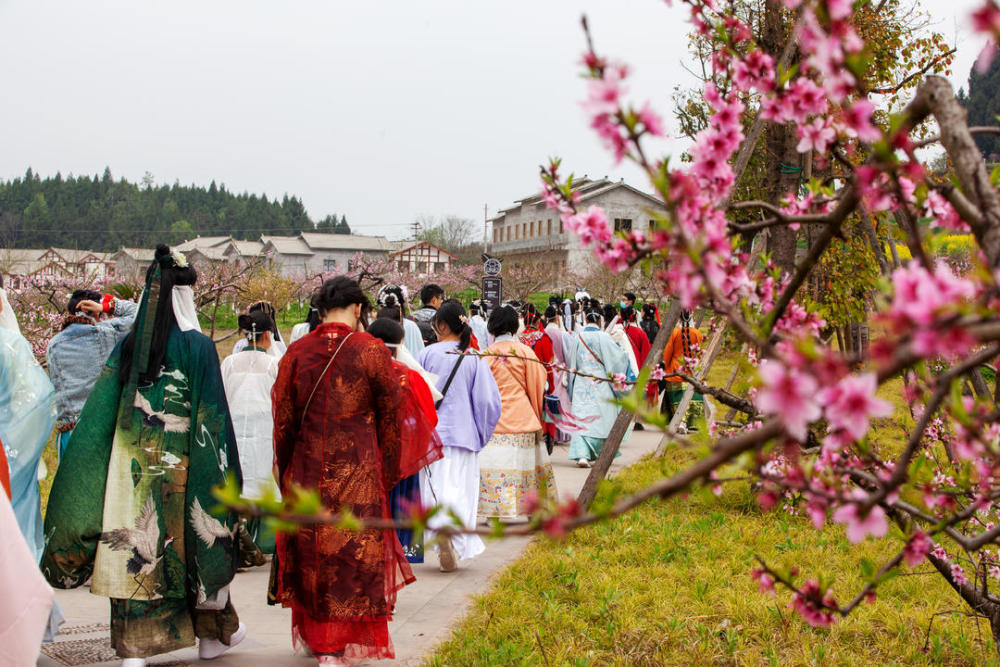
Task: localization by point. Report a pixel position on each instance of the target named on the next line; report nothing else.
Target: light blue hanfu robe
(412, 338)
(592, 400)
(27, 415)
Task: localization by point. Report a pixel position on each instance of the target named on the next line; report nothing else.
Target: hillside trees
(101, 213)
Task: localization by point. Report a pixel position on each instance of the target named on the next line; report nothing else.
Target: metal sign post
(493, 291)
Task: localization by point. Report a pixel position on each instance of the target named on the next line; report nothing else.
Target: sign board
(492, 266)
(493, 291)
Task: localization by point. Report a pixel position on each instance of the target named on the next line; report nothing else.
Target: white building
(421, 257)
(530, 231)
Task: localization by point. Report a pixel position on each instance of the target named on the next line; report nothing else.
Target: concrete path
(426, 611)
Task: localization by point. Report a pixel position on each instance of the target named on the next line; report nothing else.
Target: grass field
(669, 584)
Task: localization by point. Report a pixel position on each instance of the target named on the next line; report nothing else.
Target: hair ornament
(180, 261)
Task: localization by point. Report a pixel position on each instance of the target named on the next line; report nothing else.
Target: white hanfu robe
(248, 377)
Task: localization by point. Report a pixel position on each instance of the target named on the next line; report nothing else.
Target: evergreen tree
(983, 105)
(342, 226)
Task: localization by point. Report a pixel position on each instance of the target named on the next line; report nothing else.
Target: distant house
(530, 231)
(311, 254)
(97, 265)
(132, 262)
(21, 266)
(421, 257)
(332, 253)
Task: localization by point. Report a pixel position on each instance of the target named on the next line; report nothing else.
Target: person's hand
(89, 307)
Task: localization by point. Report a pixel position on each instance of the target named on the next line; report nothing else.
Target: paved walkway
(425, 611)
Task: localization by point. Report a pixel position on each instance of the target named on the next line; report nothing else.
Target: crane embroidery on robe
(143, 541)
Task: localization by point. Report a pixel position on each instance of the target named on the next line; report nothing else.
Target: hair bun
(245, 322)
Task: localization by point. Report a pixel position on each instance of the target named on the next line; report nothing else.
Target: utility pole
(486, 231)
(415, 226)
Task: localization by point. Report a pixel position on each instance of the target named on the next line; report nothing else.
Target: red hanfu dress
(352, 445)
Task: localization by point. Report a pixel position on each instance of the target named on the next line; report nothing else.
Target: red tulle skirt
(362, 639)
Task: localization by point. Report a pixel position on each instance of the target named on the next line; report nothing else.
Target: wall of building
(535, 231)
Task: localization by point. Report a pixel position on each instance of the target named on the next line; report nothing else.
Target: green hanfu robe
(132, 504)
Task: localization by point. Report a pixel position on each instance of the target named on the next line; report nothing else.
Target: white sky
(383, 110)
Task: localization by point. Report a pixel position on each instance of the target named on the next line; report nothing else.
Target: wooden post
(614, 440)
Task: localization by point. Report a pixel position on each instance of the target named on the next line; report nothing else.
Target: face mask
(622, 304)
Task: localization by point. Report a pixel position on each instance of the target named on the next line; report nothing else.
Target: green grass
(669, 584)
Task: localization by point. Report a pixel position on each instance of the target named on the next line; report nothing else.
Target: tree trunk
(783, 161)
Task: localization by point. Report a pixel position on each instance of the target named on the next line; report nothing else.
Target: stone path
(425, 611)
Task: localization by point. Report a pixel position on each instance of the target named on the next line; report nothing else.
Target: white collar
(503, 337)
(184, 310)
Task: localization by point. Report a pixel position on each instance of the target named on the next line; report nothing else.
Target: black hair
(629, 296)
(648, 311)
(429, 292)
(389, 313)
(255, 323)
(386, 330)
(313, 319)
(474, 308)
(391, 296)
(268, 309)
(81, 295)
(164, 321)
(610, 311)
(628, 314)
(530, 314)
(551, 313)
(593, 316)
(686, 332)
(503, 320)
(451, 314)
(340, 292)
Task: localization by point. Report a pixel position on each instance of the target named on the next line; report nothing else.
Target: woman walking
(248, 377)
(514, 463)
(277, 347)
(132, 498)
(684, 343)
(593, 353)
(467, 415)
(337, 430)
(419, 421)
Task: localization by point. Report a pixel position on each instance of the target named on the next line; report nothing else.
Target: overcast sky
(383, 111)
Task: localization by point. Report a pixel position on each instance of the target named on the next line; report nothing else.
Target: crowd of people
(376, 408)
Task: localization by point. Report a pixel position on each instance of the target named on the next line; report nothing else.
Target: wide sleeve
(75, 510)
(572, 362)
(420, 443)
(387, 394)
(544, 351)
(535, 379)
(485, 401)
(283, 402)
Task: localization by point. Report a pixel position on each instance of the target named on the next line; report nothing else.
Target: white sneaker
(134, 662)
(209, 649)
(582, 463)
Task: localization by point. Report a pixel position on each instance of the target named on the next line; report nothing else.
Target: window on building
(531, 229)
(496, 234)
(329, 265)
(508, 234)
(549, 232)
(421, 267)
(652, 223)
(440, 267)
(560, 226)
(517, 232)
(623, 224)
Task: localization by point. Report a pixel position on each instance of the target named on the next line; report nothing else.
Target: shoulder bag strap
(593, 353)
(444, 390)
(305, 409)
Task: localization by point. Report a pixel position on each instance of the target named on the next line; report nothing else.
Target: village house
(530, 232)
(422, 258)
(23, 265)
(132, 262)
